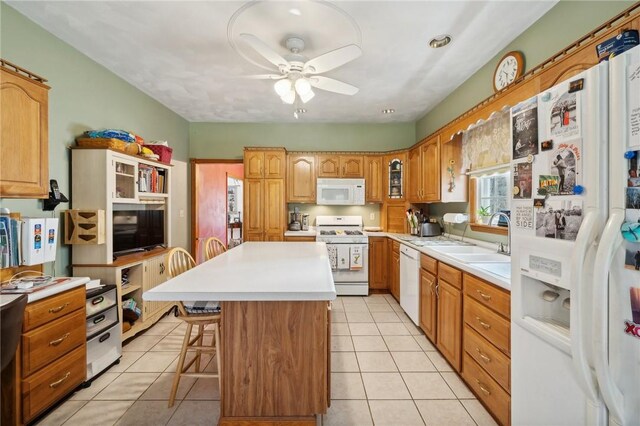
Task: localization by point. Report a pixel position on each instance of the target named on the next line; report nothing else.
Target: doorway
(215, 212)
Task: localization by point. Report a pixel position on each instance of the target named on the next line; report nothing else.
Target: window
(493, 192)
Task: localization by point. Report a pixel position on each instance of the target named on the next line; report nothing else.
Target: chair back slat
(179, 260)
(213, 247)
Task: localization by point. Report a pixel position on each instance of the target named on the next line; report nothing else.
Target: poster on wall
(522, 180)
(560, 219)
(565, 163)
(562, 114)
(633, 105)
(523, 216)
(525, 128)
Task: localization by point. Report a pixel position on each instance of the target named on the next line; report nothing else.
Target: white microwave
(340, 192)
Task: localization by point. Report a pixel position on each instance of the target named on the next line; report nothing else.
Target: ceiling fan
(297, 74)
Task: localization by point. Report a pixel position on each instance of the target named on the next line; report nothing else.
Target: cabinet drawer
(100, 322)
(494, 362)
(47, 310)
(429, 263)
(310, 239)
(101, 301)
(487, 294)
(495, 398)
(450, 275)
(395, 246)
(48, 385)
(488, 324)
(48, 343)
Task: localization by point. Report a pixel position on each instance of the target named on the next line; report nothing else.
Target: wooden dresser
(486, 358)
(52, 352)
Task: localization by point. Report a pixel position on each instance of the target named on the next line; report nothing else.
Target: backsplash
(314, 210)
(439, 209)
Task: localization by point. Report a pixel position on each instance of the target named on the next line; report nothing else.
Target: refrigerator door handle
(609, 244)
(579, 320)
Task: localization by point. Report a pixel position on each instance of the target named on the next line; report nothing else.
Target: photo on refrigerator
(565, 163)
(564, 115)
(525, 128)
(633, 198)
(631, 227)
(560, 219)
(522, 180)
(632, 256)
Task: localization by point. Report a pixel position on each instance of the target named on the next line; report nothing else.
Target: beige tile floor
(384, 372)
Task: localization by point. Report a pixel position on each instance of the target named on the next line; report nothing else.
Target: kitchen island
(275, 328)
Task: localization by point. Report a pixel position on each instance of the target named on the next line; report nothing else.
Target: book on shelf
(10, 242)
(151, 179)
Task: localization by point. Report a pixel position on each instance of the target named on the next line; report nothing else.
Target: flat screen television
(137, 230)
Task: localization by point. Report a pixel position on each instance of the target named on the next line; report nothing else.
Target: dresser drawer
(429, 263)
(494, 362)
(488, 324)
(48, 385)
(100, 322)
(487, 389)
(451, 275)
(47, 343)
(487, 294)
(101, 301)
(46, 310)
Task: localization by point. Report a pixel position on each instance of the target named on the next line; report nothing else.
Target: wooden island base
(275, 362)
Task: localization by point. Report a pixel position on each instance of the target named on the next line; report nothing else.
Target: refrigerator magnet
(576, 86)
(546, 145)
(538, 202)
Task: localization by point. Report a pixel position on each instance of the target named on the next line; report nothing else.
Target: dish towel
(343, 257)
(356, 257)
(333, 257)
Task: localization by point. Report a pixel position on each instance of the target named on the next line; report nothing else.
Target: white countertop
(257, 271)
(443, 257)
(310, 233)
(66, 283)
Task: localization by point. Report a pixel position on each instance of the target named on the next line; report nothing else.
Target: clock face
(506, 73)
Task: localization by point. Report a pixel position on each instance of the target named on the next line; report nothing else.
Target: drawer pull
(483, 356)
(58, 341)
(58, 382)
(97, 300)
(58, 309)
(484, 296)
(104, 337)
(99, 319)
(483, 388)
(484, 324)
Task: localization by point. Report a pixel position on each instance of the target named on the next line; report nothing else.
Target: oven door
(345, 272)
(334, 195)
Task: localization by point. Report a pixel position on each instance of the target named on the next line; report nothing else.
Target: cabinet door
(428, 304)
(274, 164)
(155, 273)
(253, 164)
(395, 278)
(301, 179)
(373, 179)
(253, 206)
(24, 131)
(328, 166)
(126, 181)
(431, 170)
(274, 206)
(352, 166)
(449, 330)
(394, 184)
(378, 263)
(252, 236)
(414, 189)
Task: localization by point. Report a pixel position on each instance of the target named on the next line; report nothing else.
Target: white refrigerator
(574, 361)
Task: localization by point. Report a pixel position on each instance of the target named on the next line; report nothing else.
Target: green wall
(562, 25)
(226, 140)
(84, 95)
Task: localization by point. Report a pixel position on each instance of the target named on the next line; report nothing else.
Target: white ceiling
(178, 52)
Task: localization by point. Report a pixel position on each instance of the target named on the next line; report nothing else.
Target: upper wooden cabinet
(431, 169)
(454, 183)
(414, 189)
(301, 178)
(373, 173)
(340, 166)
(24, 156)
(269, 164)
(395, 181)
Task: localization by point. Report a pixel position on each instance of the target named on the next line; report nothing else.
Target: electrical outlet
(181, 213)
(372, 216)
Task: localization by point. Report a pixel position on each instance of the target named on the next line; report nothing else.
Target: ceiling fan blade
(333, 59)
(265, 51)
(331, 85)
(265, 77)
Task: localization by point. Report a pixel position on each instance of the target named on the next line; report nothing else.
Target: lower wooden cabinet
(394, 281)
(449, 330)
(428, 304)
(378, 263)
(296, 239)
(488, 390)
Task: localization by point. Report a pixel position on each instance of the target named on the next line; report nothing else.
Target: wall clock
(509, 69)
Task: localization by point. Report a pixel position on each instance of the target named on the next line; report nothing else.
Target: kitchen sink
(501, 269)
(463, 249)
(480, 257)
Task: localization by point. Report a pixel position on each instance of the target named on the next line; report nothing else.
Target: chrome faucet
(501, 248)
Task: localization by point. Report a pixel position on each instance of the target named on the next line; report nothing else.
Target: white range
(348, 249)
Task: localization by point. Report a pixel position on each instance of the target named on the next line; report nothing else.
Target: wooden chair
(213, 247)
(179, 260)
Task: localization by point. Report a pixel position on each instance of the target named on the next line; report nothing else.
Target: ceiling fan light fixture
(303, 86)
(283, 87)
(440, 41)
(306, 97)
(289, 98)
(388, 111)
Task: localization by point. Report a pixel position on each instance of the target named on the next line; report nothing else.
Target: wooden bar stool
(213, 247)
(194, 314)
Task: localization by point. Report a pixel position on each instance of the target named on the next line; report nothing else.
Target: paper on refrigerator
(633, 105)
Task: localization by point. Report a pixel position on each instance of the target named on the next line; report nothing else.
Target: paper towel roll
(454, 218)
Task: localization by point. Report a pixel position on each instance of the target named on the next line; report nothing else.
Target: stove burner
(327, 232)
(353, 232)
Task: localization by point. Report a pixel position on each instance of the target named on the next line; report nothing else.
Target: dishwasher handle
(410, 253)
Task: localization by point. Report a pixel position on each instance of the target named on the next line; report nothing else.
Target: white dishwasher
(410, 282)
